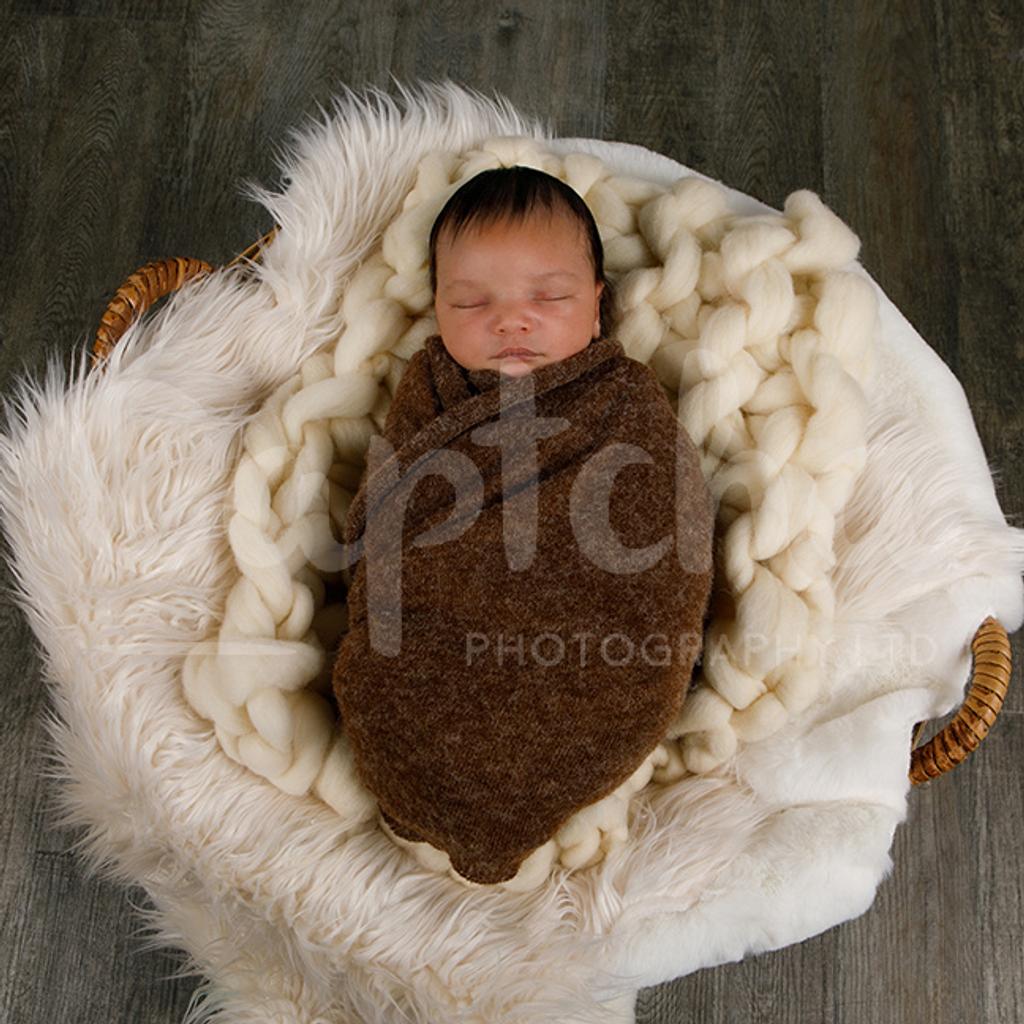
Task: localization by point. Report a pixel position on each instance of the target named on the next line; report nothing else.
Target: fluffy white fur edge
(341, 926)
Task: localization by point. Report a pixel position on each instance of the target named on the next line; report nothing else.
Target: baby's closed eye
(480, 303)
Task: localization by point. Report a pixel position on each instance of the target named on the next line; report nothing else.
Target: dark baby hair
(513, 193)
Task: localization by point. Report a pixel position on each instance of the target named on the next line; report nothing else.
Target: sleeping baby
(534, 544)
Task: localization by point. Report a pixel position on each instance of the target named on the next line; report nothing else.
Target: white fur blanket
(113, 487)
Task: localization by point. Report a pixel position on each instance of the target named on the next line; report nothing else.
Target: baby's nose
(512, 318)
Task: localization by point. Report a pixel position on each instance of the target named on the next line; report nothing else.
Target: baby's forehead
(539, 235)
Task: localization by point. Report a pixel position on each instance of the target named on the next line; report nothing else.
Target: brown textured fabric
(519, 695)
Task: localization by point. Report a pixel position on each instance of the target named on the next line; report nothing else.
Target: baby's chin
(518, 367)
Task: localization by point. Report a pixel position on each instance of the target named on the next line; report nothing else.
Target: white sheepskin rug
(116, 487)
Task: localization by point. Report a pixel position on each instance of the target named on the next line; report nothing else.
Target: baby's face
(506, 286)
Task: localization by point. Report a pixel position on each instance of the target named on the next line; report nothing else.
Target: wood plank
(883, 145)
(548, 58)
(725, 89)
(660, 86)
(767, 99)
(84, 143)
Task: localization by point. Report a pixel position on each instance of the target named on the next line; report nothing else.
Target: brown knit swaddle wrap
(486, 704)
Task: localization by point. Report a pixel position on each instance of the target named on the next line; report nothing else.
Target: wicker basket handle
(148, 285)
(137, 294)
(990, 679)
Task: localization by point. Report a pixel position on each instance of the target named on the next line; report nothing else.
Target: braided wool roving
(755, 325)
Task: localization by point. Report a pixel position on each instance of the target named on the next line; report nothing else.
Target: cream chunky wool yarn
(758, 331)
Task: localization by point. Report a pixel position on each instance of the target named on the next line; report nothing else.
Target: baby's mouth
(515, 352)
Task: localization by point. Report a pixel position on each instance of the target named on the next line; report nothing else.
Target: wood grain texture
(127, 128)
(548, 57)
(661, 80)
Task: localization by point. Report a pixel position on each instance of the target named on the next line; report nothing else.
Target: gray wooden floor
(125, 130)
